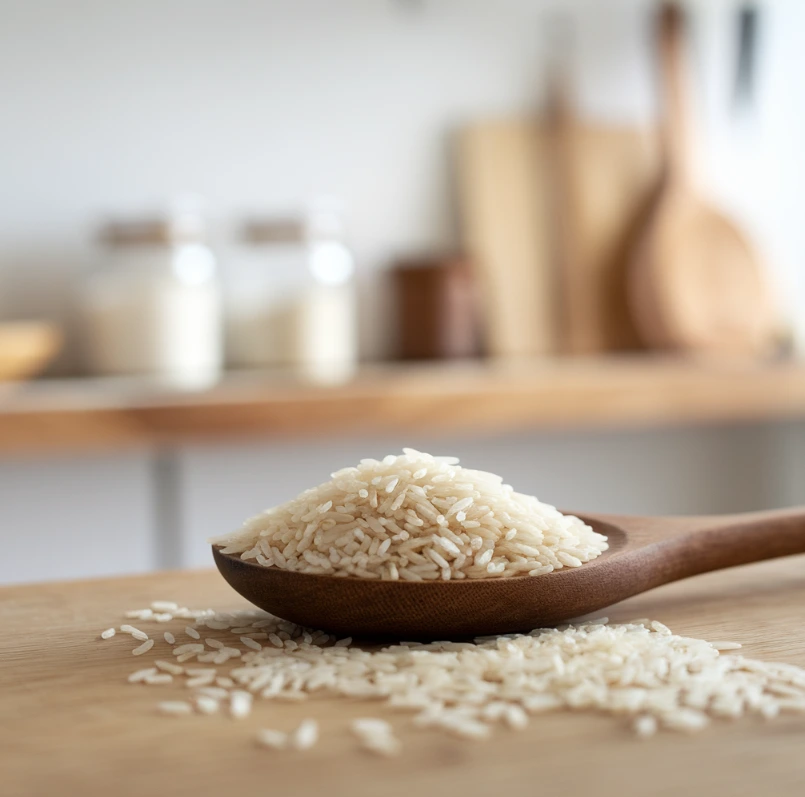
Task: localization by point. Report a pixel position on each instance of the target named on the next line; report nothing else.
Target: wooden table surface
(71, 724)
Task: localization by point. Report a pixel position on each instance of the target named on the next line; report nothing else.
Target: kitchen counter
(402, 399)
(70, 724)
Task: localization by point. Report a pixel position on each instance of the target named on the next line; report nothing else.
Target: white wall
(114, 107)
(77, 517)
(260, 104)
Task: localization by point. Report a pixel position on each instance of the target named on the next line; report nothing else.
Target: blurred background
(245, 243)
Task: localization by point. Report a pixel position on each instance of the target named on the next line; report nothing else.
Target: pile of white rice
(415, 517)
(639, 671)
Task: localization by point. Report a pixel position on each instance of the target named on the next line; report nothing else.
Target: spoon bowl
(643, 553)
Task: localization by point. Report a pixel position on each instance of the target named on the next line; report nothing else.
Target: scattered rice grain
(144, 648)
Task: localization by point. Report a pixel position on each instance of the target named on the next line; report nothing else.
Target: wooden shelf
(613, 392)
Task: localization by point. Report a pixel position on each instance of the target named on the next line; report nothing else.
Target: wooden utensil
(26, 348)
(643, 553)
(561, 198)
(695, 282)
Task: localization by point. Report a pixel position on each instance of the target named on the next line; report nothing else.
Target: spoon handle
(685, 547)
(676, 124)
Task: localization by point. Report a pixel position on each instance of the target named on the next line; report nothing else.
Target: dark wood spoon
(644, 552)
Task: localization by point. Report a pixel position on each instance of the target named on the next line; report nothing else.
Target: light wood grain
(606, 178)
(549, 210)
(70, 724)
(603, 179)
(695, 281)
(503, 171)
(96, 414)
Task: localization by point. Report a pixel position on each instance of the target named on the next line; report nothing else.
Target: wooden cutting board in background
(534, 197)
(505, 218)
(604, 191)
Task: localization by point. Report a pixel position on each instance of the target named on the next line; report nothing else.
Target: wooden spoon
(643, 553)
(694, 280)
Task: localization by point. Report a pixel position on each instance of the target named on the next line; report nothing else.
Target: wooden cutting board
(506, 230)
(70, 724)
(547, 220)
(608, 176)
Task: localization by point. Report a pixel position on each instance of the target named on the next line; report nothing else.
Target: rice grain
(432, 502)
(275, 740)
(144, 648)
(305, 736)
(135, 632)
(240, 704)
(175, 707)
(638, 671)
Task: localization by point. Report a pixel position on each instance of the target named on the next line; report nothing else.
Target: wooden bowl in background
(26, 347)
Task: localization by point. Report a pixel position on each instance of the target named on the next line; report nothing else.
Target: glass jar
(306, 317)
(155, 306)
(327, 341)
